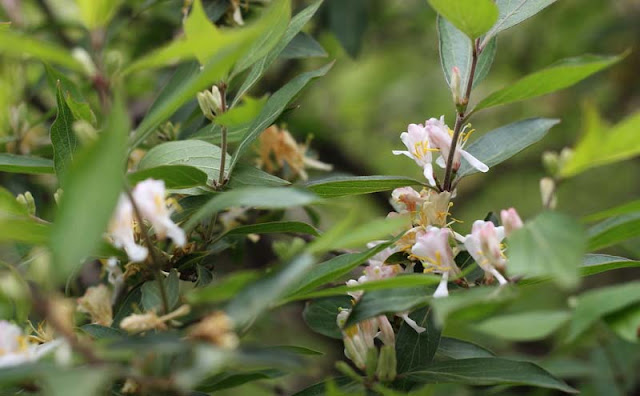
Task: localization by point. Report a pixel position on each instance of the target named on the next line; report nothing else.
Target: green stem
(223, 145)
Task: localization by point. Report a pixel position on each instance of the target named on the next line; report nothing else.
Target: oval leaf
(473, 17)
(356, 185)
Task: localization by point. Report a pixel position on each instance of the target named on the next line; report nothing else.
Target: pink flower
(484, 245)
(510, 220)
(433, 250)
(441, 137)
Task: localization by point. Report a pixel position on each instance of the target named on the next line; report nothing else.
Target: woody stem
(460, 118)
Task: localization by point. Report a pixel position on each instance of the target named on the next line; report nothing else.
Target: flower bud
(85, 60)
(137, 323)
(455, 85)
(371, 362)
(551, 162)
(510, 220)
(28, 202)
(565, 156)
(386, 370)
(84, 131)
(57, 196)
(210, 102)
(548, 192)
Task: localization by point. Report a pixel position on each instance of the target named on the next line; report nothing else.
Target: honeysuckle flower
(435, 209)
(360, 338)
(16, 347)
(136, 323)
(441, 137)
(97, 303)
(115, 276)
(210, 102)
(484, 245)
(419, 149)
(406, 200)
(217, 329)
(232, 217)
(510, 220)
(121, 230)
(433, 250)
(278, 148)
(149, 196)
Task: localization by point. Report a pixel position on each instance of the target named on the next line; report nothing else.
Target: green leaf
(473, 17)
(394, 300)
(489, 371)
(456, 51)
(458, 349)
(597, 263)
(86, 206)
(334, 268)
(417, 350)
(16, 228)
(257, 197)
(473, 304)
(594, 304)
(348, 21)
(274, 107)
(236, 43)
(627, 208)
(224, 289)
(503, 143)
(551, 245)
(9, 204)
(614, 230)
(99, 332)
(97, 13)
(78, 381)
(12, 163)
(561, 75)
(63, 139)
(625, 323)
(195, 153)
(344, 384)
(603, 144)
(232, 380)
(246, 175)
(525, 326)
(76, 102)
(18, 45)
(296, 24)
(257, 297)
(401, 281)
(341, 237)
(356, 185)
(321, 315)
(512, 12)
(264, 43)
(174, 176)
(152, 298)
(303, 46)
(241, 115)
(281, 227)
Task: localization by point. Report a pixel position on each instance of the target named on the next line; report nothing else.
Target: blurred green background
(387, 74)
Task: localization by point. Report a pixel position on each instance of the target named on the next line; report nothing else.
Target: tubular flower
(16, 348)
(97, 303)
(419, 149)
(121, 230)
(510, 220)
(433, 250)
(278, 147)
(359, 339)
(435, 209)
(441, 137)
(406, 200)
(150, 198)
(484, 245)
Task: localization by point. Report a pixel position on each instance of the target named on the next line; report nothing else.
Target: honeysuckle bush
(122, 270)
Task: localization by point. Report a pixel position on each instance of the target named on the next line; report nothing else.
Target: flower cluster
(429, 245)
(435, 136)
(18, 348)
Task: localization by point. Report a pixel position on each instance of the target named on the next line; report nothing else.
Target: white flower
(484, 245)
(16, 348)
(360, 338)
(433, 250)
(510, 220)
(406, 199)
(441, 137)
(418, 145)
(149, 196)
(121, 230)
